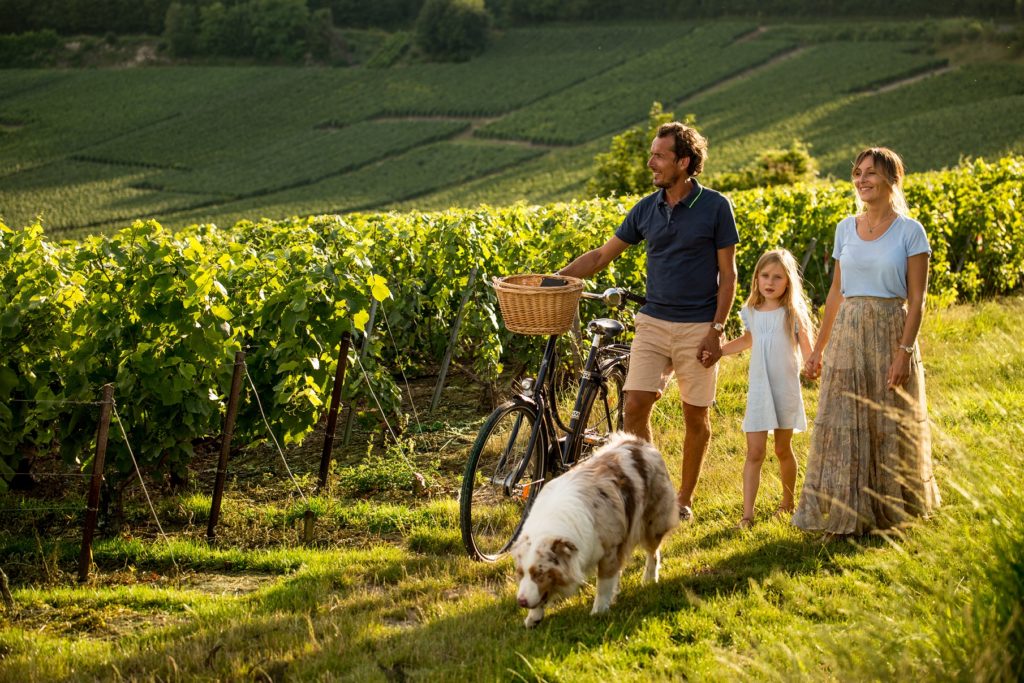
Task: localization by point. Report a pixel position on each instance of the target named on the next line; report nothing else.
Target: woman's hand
(812, 367)
(899, 370)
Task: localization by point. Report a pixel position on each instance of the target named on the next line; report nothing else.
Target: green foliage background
(161, 315)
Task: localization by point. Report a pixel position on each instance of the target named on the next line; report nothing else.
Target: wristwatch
(718, 327)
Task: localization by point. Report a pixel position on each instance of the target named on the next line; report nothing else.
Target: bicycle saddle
(606, 327)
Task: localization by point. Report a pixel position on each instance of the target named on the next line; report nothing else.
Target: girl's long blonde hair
(798, 311)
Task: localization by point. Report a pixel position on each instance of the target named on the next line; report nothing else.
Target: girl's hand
(705, 356)
(812, 368)
(899, 370)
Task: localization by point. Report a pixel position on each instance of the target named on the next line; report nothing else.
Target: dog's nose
(523, 602)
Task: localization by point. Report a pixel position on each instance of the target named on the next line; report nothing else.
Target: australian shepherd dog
(593, 517)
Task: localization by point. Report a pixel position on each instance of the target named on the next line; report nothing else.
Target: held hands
(710, 350)
(812, 367)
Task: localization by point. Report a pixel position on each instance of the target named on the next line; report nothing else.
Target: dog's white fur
(593, 517)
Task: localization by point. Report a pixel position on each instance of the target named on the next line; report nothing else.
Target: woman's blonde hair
(891, 166)
(794, 301)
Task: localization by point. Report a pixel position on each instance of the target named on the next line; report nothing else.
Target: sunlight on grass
(385, 592)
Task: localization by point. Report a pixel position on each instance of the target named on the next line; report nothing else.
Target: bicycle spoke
(491, 515)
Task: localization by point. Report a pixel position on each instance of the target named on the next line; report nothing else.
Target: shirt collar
(689, 200)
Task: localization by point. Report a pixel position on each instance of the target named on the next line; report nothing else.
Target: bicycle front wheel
(492, 509)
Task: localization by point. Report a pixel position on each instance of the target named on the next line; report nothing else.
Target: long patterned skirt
(870, 463)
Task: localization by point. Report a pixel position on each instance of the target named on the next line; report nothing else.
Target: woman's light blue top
(879, 267)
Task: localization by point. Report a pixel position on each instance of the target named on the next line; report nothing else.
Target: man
(691, 237)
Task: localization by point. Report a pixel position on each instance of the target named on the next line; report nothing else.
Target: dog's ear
(562, 548)
(519, 546)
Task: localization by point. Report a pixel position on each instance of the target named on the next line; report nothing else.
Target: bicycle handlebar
(614, 297)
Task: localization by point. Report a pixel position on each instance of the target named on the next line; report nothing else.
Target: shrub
(773, 167)
(34, 48)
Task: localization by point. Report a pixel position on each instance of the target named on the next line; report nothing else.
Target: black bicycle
(525, 441)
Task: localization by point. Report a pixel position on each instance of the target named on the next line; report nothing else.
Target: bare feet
(745, 523)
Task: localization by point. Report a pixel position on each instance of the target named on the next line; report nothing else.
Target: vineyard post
(225, 445)
(5, 593)
(308, 521)
(92, 504)
(452, 339)
(363, 350)
(332, 414)
(807, 254)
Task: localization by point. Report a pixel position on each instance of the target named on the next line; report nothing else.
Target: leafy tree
(535, 11)
(388, 14)
(320, 37)
(219, 34)
(181, 28)
(623, 168)
(453, 30)
(279, 28)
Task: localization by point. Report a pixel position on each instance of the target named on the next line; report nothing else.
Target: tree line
(290, 30)
(97, 17)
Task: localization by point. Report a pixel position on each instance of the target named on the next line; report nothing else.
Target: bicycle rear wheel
(605, 412)
(490, 516)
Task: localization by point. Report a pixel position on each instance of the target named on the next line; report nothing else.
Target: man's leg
(695, 445)
(638, 408)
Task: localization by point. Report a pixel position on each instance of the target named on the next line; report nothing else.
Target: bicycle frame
(549, 424)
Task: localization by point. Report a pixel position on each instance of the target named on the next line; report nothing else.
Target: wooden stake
(363, 350)
(452, 339)
(225, 444)
(92, 504)
(5, 593)
(308, 521)
(332, 414)
(807, 254)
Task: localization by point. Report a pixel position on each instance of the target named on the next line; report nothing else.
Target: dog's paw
(600, 608)
(533, 618)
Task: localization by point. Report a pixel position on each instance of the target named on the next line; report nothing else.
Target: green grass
(386, 593)
(92, 149)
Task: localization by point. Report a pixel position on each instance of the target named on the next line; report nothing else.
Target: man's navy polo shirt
(682, 251)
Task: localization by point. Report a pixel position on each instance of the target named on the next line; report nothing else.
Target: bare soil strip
(913, 79)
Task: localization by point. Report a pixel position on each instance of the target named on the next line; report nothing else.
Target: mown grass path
(388, 595)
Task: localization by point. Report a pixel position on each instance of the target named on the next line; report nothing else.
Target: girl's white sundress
(773, 398)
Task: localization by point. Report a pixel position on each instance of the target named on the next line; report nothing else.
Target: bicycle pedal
(593, 439)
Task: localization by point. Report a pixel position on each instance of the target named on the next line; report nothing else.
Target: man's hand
(710, 350)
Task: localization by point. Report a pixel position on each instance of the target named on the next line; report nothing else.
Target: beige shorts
(660, 348)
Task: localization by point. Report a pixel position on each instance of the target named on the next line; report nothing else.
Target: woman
(870, 462)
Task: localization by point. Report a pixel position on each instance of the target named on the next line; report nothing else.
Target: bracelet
(908, 349)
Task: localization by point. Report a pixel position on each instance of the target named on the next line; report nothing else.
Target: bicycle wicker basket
(529, 308)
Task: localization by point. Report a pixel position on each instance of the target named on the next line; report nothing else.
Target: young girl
(778, 327)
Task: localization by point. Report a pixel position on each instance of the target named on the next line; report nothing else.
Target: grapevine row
(161, 315)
